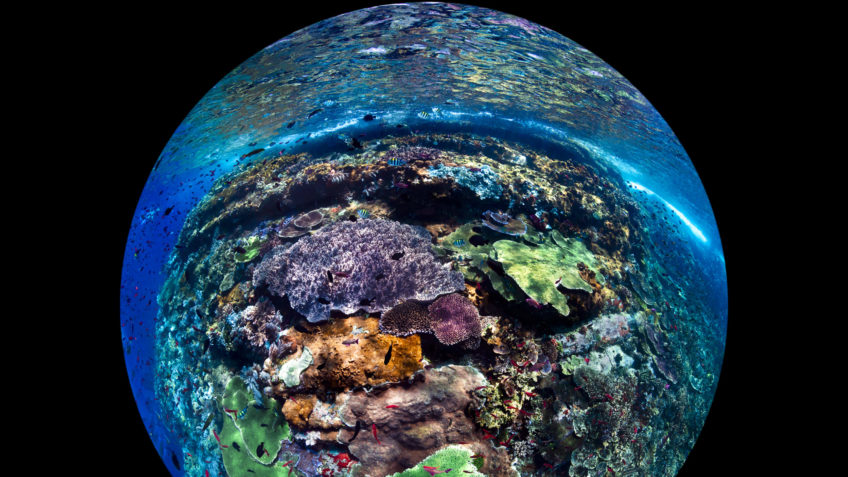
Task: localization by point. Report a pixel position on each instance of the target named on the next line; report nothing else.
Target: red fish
(587, 360)
(216, 436)
(287, 463)
(525, 412)
(479, 388)
(487, 435)
(535, 304)
(342, 274)
(230, 410)
(513, 408)
(547, 465)
(608, 396)
(530, 394)
(374, 430)
(206, 473)
(391, 406)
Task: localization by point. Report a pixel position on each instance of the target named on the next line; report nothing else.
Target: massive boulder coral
(370, 264)
(455, 320)
(414, 422)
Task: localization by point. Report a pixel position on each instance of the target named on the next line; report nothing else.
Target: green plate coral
(474, 264)
(252, 427)
(456, 458)
(537, 269)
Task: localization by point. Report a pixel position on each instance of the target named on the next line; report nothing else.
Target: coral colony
(414, 302)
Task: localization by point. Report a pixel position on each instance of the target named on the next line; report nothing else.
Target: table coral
(250, 427)
(539, 270)
(370, 264)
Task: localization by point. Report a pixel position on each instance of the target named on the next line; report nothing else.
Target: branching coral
(370, 264)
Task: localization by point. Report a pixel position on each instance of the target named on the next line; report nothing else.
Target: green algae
(291, 369)
(570, 364)
(251, 249)
(536, 269)
(454, 457)
(253, 424)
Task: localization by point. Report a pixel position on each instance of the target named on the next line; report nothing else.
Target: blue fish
(396, 162)
(362, 213)
(458, 243)
(242, 413)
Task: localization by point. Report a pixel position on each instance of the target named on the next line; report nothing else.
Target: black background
(145, 69)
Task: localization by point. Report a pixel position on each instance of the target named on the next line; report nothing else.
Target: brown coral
(361, 362)
(297, 411)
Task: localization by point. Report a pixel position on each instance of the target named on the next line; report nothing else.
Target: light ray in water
(695, 230)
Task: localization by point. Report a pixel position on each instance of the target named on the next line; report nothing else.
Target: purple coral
(406, 319)
(349, 266)
(455, 320)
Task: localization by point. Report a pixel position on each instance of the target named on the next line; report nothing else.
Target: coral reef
(413, 422)
(249, 250)
(540, 270)
(371, 264)
(482, 180)
(503, 223)
(346, 354)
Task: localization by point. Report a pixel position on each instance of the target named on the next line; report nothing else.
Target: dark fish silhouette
(168, 210)
(313, 113)
(236, 446)
(368, 117)
(388, 354)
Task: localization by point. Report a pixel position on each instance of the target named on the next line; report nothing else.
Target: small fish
(530, 394)
(374, 430)
(236, 447)
(391, 406)
(535, 304)
(287, 463)
(342, 274)
(350, 342)
(368, 117)
(168, 210)
(587, 360)
(313, 113)
(260, 407)
(243, 412)
(216, 436)
(396, 162)
(362, 213)
(208, 421)
(230, 410)
(401, 185)
(240, 250)
(458, 243)
(260, 449)
(557, 281)
(423, 115)
(474, 169)
(388, 354)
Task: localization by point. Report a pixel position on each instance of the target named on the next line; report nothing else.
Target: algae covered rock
(540, 270)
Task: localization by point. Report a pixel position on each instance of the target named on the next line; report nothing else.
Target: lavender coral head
(454, 320)
(406, 319)
(370, 264)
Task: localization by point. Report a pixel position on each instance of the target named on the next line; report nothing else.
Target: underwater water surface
(423, 239)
